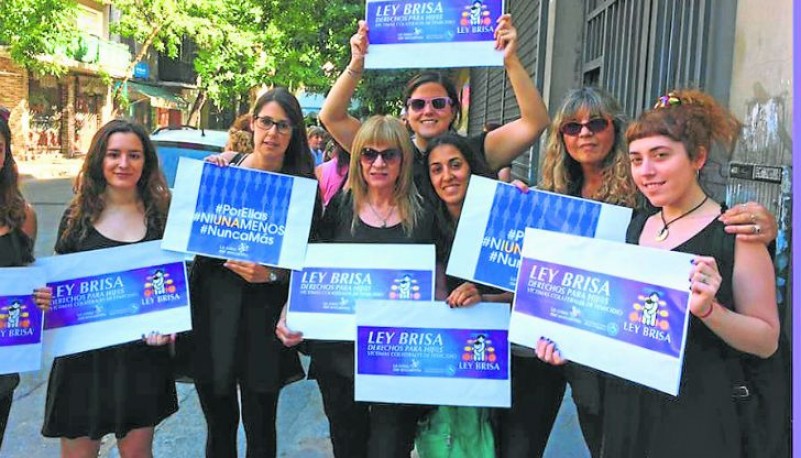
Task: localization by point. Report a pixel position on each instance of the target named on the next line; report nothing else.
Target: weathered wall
(762, 97)
(761, 89)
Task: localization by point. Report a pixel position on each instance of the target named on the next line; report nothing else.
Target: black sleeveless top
(702, 420)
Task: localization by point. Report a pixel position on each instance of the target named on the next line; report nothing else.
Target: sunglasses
(437, 103)
(595, 125)
(369, 155)
(267, 123)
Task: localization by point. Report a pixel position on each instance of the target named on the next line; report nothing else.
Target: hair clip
(668, 100)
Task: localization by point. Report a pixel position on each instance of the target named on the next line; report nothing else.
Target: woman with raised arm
(236, 304)
(17, 237)
(733, 304)
(121, 198)
(433, 106)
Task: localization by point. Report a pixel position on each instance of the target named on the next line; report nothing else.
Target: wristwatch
(272, 276)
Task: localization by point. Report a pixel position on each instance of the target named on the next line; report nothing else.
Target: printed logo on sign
(159, 284)
(649, 317)
(14, 315)
(479, 348)
(479, 354)
(476, 14)
(648, 313)
(405, 288)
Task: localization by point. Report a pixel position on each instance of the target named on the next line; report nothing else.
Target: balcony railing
(108, 56)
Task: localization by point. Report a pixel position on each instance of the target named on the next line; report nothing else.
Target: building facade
(60, 114)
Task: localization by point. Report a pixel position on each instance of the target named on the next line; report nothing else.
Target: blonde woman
(381, 206)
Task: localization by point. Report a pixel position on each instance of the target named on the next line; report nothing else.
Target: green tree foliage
(33, 29)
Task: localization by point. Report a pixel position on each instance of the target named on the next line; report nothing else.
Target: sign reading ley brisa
(486, 248)
(615, 307)
(238, 213)
(428, 353)
(115, 295)
(20, 320)
(323, 296)
(439, 33)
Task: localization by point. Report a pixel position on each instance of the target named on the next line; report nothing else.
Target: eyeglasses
(595, 125)
(267, 123)
(437, 103)
(369, 155)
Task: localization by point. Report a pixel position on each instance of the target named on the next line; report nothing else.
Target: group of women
(410, 188)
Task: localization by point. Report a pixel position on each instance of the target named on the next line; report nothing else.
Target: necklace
(378, 215)
(663, 234)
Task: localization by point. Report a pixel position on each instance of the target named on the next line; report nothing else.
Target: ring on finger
(757, 229)
(704, 279)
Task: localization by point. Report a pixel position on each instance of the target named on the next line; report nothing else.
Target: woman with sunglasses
(733, 303)
(236, 304)
(121, 198)
(381, 205)
(433, 107)
(587, 157)
(17, 237)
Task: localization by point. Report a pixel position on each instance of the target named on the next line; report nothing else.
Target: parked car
(173, 143)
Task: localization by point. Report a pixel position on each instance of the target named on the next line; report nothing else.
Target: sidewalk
(49, 167)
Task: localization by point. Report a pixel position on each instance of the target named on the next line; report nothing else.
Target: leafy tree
(35, 28)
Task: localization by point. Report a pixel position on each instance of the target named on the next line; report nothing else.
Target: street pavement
(302, 426)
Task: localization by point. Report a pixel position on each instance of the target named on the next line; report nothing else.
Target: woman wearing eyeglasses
(381, 205)
(236, 304)
(587, 157)
(433, 107)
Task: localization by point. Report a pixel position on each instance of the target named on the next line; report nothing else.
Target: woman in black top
(381, 206)
(121, 198)
(522, 430)
(17, 236)
(433, 105)
(236, 304)
(587, 157)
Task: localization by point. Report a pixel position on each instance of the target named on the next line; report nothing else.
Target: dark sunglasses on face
(267, 123)
(438, 103)
(595, 125)
(369, 155)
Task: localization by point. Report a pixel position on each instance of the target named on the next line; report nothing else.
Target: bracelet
(353, 73)
(708, 312)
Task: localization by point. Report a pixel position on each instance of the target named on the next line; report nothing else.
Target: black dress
(702, 420)
(110, 390)
(16, 250)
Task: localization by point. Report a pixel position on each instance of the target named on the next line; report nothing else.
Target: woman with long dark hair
(236, 304)
(121, 198)
(17, 237)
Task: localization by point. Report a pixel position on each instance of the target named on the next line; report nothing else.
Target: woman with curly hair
(587, 156)
(121, 198)
(17, 235)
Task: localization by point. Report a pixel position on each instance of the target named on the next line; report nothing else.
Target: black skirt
(110, 390)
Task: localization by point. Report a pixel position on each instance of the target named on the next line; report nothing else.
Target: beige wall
(761, 87)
